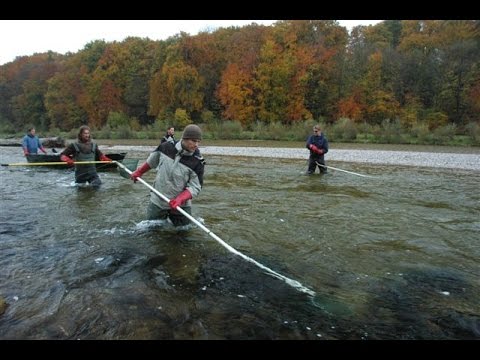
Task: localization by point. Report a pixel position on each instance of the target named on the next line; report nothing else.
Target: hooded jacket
(177, 170)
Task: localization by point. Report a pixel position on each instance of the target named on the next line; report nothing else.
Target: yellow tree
(380, 104)
(319, 47)
(271, 83)
(104, 86)
(303, 59)
(235, 95)
(177, 85)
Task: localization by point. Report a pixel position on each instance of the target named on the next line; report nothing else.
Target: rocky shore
(448, 160)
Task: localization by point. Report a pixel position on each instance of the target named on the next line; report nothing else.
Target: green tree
(182, 118)
(271, 83)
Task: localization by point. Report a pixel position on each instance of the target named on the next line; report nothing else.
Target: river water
(394, 256)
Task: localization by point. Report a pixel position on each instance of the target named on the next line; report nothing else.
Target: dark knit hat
(192, 132)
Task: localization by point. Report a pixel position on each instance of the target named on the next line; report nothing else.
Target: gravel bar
(381, 157)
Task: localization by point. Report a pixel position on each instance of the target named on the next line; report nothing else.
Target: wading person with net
(84, 150)
(170, 137)
(179, 176)
(317, 143)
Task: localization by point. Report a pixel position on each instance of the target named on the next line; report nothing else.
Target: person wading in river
(170, 137)
(317, 143)
(84, 150)
(179, 176)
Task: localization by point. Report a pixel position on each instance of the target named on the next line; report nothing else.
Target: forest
(415, 77)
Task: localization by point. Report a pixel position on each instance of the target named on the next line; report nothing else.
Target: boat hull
(46, 158)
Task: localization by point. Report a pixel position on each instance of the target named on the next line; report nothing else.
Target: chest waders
(315, 159)
(88, 172)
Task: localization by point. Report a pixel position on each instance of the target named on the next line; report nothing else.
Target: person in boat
(84, 149)
(317, 143)
(31, 143)
(179, 176)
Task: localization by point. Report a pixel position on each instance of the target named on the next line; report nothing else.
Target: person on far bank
(169, 136)
(84, 150)
(179, 176)
(31, 143)
(317, 143)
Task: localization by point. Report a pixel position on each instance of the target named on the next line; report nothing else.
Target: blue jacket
(31, 144)
(320, 141)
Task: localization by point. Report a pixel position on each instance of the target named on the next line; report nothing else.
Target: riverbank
(380, 157)
(465, 158)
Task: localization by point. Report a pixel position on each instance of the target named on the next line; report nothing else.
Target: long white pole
(346, 171)
(294, 283)
(57, 163)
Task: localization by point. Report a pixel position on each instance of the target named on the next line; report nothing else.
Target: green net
(130, 164)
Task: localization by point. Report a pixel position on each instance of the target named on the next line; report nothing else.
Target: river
(392, 256)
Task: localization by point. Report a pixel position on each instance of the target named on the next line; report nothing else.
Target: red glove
(42, 149)
(316, 149)
(67, 159)
(25, 152)
(139, 172)
(105, 158)
(181, 199)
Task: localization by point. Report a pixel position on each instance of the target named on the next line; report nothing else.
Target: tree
(235, 94)
(271, 83)
(177, 85)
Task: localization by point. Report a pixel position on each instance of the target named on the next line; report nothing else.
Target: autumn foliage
(413, 71)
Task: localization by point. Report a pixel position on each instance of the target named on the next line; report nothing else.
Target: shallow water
(389, 257)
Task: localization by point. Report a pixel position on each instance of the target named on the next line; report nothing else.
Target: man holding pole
(317, 143)
(179, 176)
(84, 150)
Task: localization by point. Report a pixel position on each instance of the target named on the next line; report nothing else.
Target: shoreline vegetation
(345, 132)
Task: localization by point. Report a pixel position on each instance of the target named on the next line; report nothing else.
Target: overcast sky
(26, 37)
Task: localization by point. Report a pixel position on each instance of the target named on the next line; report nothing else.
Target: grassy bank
(342, 131)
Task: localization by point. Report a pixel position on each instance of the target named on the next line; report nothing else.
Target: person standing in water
(179, 176)
(317, 143)
(84, 150)
(169, 135)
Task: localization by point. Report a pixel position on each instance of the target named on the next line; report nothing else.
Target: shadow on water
(394, 257)
(424, 303)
